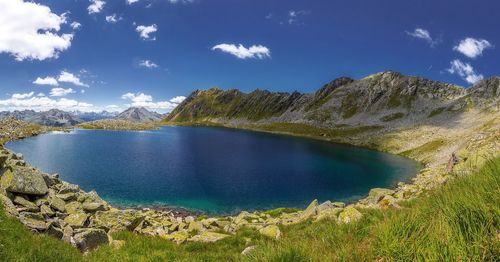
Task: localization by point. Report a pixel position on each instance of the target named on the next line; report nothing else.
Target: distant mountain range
(59, 118)
(139, 114)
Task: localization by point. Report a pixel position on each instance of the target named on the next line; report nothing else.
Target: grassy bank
(458, 222)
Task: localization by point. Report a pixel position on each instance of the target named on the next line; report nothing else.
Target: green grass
(458, 222)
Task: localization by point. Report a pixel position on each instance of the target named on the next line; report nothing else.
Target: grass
(458, 222)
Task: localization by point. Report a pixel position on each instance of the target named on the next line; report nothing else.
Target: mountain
(387, 98)
(93, 116)
(53, 117)
(139, 114)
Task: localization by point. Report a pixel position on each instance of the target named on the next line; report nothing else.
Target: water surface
(214, 170)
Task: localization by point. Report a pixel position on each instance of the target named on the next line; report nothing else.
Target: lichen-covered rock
(196, 226)
(177, 236)
(76, 220)
(55, 232)
(24, 180)
(376, 194)
(90, 238)
(9, 206)
(271, 231)
(208, 237)
(73, 207)
(94, 207)
(57, 204)
(117, 220)
(248, 250)
(310, 211)
(349, 214)
(67, 196)
(27, 205)
(33, 221)
(47, 211)
(66, 187)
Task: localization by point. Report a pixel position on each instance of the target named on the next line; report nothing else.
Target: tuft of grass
(458, 222)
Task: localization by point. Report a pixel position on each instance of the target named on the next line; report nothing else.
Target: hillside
(139, 114)
(53, 117)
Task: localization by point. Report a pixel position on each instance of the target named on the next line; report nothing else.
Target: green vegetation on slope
(459, 222)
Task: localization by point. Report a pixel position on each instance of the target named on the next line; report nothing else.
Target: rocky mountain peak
(139, 114)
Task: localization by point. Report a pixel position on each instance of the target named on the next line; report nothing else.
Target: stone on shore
(33, 221)
(27, 205)
(57, 204)
(271, 231)
(90, 238)
(24, 180)
(208, 237)
(376, 194)
(76, 220)
(349, 214)
(117, 220)
(9, 206)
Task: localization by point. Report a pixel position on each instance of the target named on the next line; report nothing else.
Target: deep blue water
(214, 170)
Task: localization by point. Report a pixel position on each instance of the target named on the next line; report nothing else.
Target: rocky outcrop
(139, 114)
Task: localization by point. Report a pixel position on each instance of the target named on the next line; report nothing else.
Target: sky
(93, 55)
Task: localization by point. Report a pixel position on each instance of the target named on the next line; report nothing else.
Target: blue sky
(153, 52)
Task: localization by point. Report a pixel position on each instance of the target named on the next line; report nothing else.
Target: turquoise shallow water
(214, 170)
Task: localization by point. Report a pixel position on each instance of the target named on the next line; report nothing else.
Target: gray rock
(33, 221)
(24, 180)
(94, 207)
(90, 238)
(55, 232)
(66, 187)
(57, 204)
(29, 206)
(9, 206)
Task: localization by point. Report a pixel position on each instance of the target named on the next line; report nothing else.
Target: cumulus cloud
(471, 47)
(95, 6)
(75, 25)
(59, 91)
(146, 101)
(145, 31)
(23, 96)
(113, 18)
(42, 103)
(68, 77)
(254, 51)
(132, 1)
(30, 31)
(178, 99)
(423, 34)
(51, 81)
(148, 64)
(464, 70)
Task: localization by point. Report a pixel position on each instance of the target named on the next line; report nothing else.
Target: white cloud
(423, 34)
(144, 31)
(294, 16)
(68, 77)
(132, 1)
(464, 70)
(255, 51)
(471, 47)
(30, 31)
(75, 25)
(146, 101)
(178, 99)
(181, 1)
(51, 81)
(58, 91)
(113, 18)
(42, 103)
(96, 6)
(23, 96)
(148, 64)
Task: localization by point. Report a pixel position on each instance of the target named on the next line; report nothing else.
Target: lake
(214, 170)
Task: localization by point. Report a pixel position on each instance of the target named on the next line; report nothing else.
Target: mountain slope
(139, 114)
(53, 117)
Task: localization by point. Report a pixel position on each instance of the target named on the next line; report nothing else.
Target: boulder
(310, 211)
(24, 180)
(90, 238)
(67, 234)
(76, 220)
(33, 221)
(67, 196)
(73, 207)
(271, 231)
(8, 206)
(28, 206)
(376, 194)
(93, 207)
(47, 211)
(55, 232)
(66, 187)
(57, 204)
(349, 214)
(177, 236)
(248, 250)
(196, 226)
(208, 237)
(117, 220)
